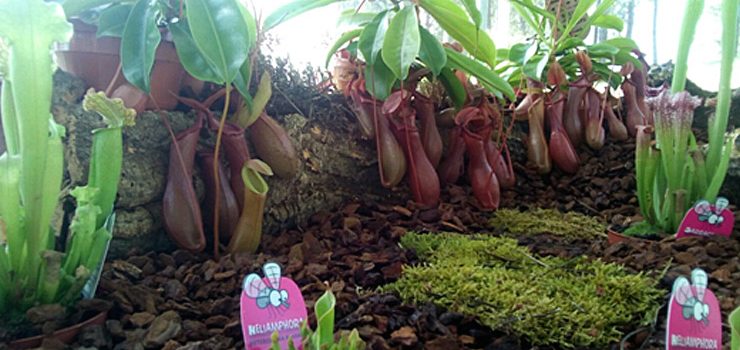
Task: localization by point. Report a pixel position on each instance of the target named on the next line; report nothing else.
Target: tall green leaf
(139, 44)
(371, 39)
(402, 42)
(293, 9)
(432, 53)
(454, 87)
(191, 58)
(486, 76)
(578, 13)
(455, 22)
(29, 28)
(221, 34)
(472, 11)
(379, 79)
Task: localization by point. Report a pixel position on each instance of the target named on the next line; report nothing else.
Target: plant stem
(718, 124)
(217, 178)
(691, 16)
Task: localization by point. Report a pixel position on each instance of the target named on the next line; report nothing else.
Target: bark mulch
(190, 301)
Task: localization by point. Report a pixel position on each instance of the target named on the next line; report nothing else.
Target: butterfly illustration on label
(706, 214)
(691, 296)
(264, 295)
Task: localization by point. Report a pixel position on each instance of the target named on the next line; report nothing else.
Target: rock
(442, 343)
(165, 327)
(45, 313)
(174, 289)
(686, 258)
(405, 336)
(141, 319)
(95, 337)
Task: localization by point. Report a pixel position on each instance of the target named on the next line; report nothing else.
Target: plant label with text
(269, 304)
(706, 219)
(694, 319)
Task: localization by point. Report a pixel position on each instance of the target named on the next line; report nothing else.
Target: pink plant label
(706, 219)
(271, 304)
(694, 319)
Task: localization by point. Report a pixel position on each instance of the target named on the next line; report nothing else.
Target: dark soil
(186, 301)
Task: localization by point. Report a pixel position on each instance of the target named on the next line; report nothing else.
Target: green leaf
(602, 50)
(293, 9)
(534, 9)
(10, 207)
(113, 20)
(624, 56)
(379, 80)
(139, 44)
(517, 52)
(622, 43)
(402, 42)
(534, 67)
(503, 52)
(487, 77)
(351, 17)
(432, 53)
(456, 23)
(30, 28)
(343, 39)
(600, 11)
(221, 34)
(251, 24)
(261, 98)
(352, 48)
(614, 78)
(571, 43)
(454, 87)
(529, 17)
(191, 58)
(578, 13)
(609, 22)
(371, 39)
(472, 11)
(242, 82)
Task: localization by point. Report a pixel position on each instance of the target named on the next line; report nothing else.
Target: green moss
(538, 221)
(642, 229)
(550, 301)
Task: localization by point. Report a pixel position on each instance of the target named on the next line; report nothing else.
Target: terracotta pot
(95, 60)
(614, 237)
(65, 335)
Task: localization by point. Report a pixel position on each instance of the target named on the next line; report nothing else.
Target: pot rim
(73, 330)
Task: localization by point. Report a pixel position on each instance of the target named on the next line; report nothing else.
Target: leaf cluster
(550, 301)
(550, 221)
(393, 41)
(558, 38)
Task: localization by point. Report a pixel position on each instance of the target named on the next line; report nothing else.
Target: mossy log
(335, 166)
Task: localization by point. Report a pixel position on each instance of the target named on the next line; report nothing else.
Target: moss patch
(539, 221)
(550, 301)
